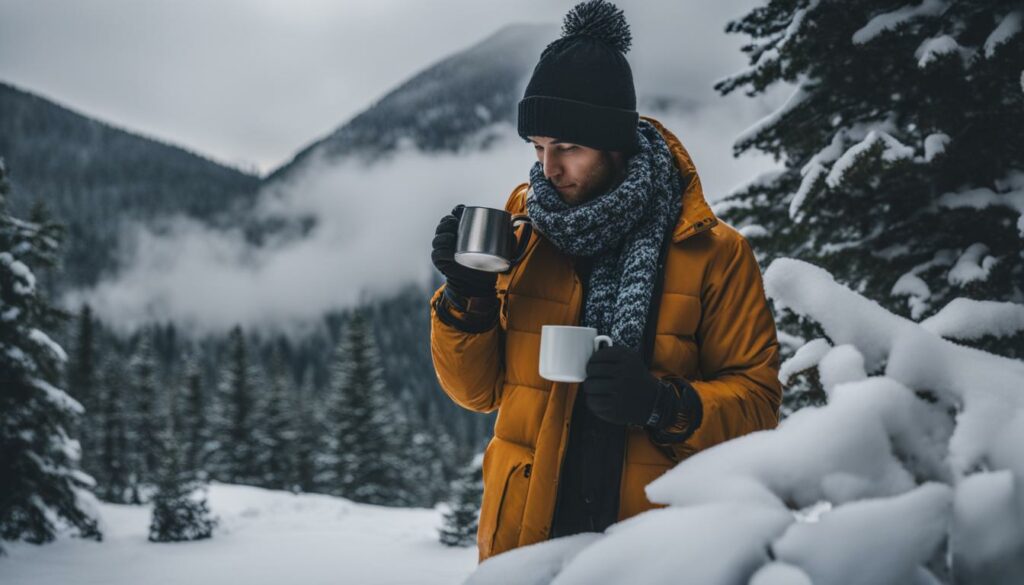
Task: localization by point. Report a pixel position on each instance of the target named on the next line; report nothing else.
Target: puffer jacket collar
(696, 215)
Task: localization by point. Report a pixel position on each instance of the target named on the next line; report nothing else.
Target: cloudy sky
(249, 82)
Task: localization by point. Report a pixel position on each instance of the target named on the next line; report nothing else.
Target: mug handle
(602, 339)
(524, 239)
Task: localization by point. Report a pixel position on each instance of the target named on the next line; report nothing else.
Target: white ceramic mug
(565, 351)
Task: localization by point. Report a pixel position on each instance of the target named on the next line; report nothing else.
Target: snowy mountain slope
(92, 174)
(446, 107)
(462, 103)
(265, 536)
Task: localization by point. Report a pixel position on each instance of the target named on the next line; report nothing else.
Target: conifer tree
(118, 476)
(180, 511)
(237, 439)
(415, 448)
(430, 462)
(195, 420)
(463, 514)
(308, 433)
(336, 422)
(903, 156)
(40, 479)
(147, 414)
(82, 387)
(277, 429)
(368, 425)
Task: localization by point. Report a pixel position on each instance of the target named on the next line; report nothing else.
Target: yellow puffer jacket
(714, 329)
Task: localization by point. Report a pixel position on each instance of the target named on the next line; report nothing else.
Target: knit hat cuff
(599, 127)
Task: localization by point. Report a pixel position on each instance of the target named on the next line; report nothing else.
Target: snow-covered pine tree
(40, 481)
(447, 453)
(194, 428)
(422, 472)
(118, 476)
(180, 511)
(82, 387)
(441, 462)
(336, 422)
(236, 435)
(463, 515)
(144, 439)
(903, 156)
(432, 460)
(307, 437)
(277, 428)
(368, 425)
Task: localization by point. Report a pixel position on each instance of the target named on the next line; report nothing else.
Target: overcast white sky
(249, 82)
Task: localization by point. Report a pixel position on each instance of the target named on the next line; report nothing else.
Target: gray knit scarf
(622, 229)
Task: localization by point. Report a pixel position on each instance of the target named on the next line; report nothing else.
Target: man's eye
(569, 149)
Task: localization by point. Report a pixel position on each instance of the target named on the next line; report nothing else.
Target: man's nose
(551, 166)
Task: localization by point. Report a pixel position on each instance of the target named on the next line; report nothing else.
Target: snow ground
(264, 536)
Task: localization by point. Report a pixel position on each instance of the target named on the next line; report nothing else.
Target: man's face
(579, 173)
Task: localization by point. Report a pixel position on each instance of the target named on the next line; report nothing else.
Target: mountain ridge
(92, 175)
(451, 94)
(120, 127)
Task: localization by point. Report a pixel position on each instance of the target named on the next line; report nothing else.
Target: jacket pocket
(506, 483)
(679, 315)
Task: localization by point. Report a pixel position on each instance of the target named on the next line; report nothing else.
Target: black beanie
(582, 87)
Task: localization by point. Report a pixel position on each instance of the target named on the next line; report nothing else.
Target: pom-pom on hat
(582, 90)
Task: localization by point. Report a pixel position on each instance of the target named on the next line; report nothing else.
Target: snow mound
(910, 473)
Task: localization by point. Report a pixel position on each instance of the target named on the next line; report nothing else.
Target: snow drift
(911, 473)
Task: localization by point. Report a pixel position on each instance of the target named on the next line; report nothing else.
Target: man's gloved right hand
(462, 280)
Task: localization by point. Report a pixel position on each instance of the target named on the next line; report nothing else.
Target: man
(625, 242)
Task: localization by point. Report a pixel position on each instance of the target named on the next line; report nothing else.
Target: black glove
(619, 388)
(462, 280)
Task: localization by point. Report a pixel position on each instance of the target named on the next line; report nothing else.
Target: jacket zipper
(568, 427)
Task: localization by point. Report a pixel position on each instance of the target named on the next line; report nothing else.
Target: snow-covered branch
(881, 472)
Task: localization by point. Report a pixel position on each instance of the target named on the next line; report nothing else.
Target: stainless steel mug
(487, 241)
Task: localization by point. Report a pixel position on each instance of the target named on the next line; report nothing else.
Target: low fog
(373, 232)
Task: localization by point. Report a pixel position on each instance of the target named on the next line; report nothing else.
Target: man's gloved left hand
(619, 388)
